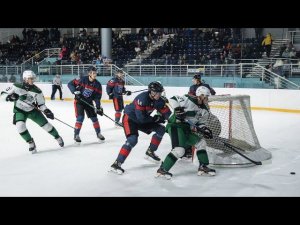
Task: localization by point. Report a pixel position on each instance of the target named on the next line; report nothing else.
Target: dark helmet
(155, 86)
(119, 71)
(92, 68)
(197, 76)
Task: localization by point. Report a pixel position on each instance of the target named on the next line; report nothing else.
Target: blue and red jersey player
(115, 90)
(197, 83)
(137, 118)
(87, 89)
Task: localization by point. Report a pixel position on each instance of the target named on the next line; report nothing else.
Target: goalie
(186, 127)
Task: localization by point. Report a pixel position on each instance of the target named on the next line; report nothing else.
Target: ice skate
(32, 146)
(116, 168)
(161, 172)
(206, 171)
(77, 139)
(151, 156)
(100, 137)
(60, 141)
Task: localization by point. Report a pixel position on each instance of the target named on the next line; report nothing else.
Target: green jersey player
(29, 103)
(187, 127)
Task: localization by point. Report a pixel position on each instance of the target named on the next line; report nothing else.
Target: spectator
(267, 43)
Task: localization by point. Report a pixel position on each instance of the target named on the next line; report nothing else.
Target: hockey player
(137, 118)
(87, 89)
(115, 90)
(29, 102)
(197, 83)
(187, 126)
(192, 91)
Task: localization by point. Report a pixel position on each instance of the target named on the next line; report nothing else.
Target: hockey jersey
(116, 87)
(194, 87)
(57, 81)
(142, 106)
(195, 113)
(29, 97)
(89, 90)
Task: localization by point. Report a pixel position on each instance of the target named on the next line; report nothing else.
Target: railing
(40, 57)
(242, 70)
(295, 36)
(80, 70)
(10, 70)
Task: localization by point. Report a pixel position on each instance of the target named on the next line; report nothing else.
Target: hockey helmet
(92, 68)
(155, 87)
(28, 74)
(202, 91)
(197, 76)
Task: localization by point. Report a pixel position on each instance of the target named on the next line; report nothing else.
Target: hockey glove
(12, 97)
(99, 111)
(206, 132)
(158, 119)
(111, 96)
(78, 95)
(49, 114)
(180, 113)
(127, 93)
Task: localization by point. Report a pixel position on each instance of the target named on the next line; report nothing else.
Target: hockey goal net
(231, 122)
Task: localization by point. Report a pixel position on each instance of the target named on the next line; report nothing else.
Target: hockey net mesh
(231, 121)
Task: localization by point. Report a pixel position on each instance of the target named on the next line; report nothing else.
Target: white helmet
(202, 91)
(28, 74)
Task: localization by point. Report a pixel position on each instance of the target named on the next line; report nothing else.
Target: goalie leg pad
(178, 152)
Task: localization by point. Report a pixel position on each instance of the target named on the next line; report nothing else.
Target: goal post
(231, 122)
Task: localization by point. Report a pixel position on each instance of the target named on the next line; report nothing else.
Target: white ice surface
(83, 170)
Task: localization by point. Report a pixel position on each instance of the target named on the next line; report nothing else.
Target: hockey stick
(235, 149)
(3, 92)
(139, 90)
(103, 113)
(232, 147)
(136, 91)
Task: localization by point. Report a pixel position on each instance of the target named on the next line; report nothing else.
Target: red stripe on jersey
(78, 125)
(111, 84)
(117, 115)
(76, 113)
(92, 88)
(138, 107)
(155, 141)
(96, 125)
(124, 152)
(116, 104)
(165, 109)
(126, 124)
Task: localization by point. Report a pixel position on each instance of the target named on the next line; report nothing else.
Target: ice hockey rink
(83, 170)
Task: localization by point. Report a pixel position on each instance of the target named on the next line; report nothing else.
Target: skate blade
(34, 151)
(209, 174)
(101, 141)
(167, 177)
(148, 158)
(77, 143)
(119, 172)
